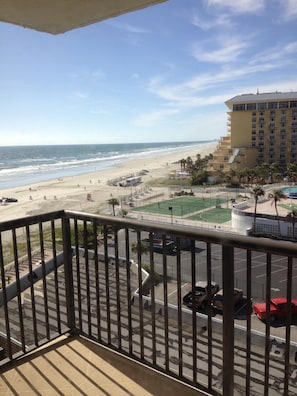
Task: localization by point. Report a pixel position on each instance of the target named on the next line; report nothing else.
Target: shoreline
(89, 191)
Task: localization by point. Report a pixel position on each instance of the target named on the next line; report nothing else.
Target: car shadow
(281, 322)
(242, 309)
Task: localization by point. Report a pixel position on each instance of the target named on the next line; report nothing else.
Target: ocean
(24, 165)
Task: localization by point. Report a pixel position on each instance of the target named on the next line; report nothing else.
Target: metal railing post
(69, 290)
(228, 319)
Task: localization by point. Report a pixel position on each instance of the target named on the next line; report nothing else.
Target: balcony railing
(70, 272)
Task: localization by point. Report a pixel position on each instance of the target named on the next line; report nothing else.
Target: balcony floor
(77, 366)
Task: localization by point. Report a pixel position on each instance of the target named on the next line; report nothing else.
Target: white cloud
(128, 28)
(221, 21)
(229, 49)
(279, 53)
(154, 117)
(79, 95)
(289, 8)
(239, 6)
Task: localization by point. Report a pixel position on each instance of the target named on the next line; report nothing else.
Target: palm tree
(113, 202)
(257, 192)
(182, 164)
(139, 248)
(275, 197)
(292, 217)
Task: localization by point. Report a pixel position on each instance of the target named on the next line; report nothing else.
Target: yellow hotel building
(262, 128)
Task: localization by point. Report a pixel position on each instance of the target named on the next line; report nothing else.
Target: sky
(155, 75)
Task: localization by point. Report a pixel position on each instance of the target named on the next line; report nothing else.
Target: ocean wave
(44, 163)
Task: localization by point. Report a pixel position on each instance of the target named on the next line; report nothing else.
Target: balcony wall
(73, 273)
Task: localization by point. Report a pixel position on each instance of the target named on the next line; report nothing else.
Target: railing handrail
(279, 247)
(93, 296)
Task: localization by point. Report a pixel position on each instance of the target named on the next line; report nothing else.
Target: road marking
(272, 272)
(174, 291)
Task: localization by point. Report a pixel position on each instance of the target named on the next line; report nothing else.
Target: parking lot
(258, 275)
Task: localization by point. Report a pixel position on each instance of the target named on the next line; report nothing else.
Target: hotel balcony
(85, 309)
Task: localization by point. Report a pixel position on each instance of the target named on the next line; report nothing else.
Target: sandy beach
(89, 192)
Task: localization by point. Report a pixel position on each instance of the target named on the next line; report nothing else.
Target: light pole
(170, 209)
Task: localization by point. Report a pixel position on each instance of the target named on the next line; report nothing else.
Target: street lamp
(170, 209)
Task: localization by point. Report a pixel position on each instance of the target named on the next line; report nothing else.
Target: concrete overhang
(60, 16)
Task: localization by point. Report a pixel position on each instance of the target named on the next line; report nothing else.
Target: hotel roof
(262, 97)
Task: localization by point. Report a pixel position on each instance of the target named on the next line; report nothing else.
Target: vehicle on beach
(201, 295)
(131, 181)
(278, 309)
(8, 200)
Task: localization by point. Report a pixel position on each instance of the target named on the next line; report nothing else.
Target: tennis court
(215, 215)
(184, 206)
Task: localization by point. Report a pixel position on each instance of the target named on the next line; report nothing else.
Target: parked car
(7, 200)
(201, 294)
(158, 247)
(217, 301)
(278, 308)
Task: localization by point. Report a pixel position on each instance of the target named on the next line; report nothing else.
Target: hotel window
(293, 103)
(261, 106)
(272, 105)
(251, 106)
(239, 107)
(254, 113)
(283, 105)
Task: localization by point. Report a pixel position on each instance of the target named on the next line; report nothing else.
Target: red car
(278, 308)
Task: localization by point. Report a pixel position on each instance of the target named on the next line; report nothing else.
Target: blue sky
(158, 74)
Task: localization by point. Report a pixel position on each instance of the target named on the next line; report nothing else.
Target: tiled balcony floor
(77, 366)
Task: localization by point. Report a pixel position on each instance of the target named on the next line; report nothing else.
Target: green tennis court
(181, 206)
(215, 215)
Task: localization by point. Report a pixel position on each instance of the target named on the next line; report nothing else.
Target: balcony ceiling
(59, 16)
